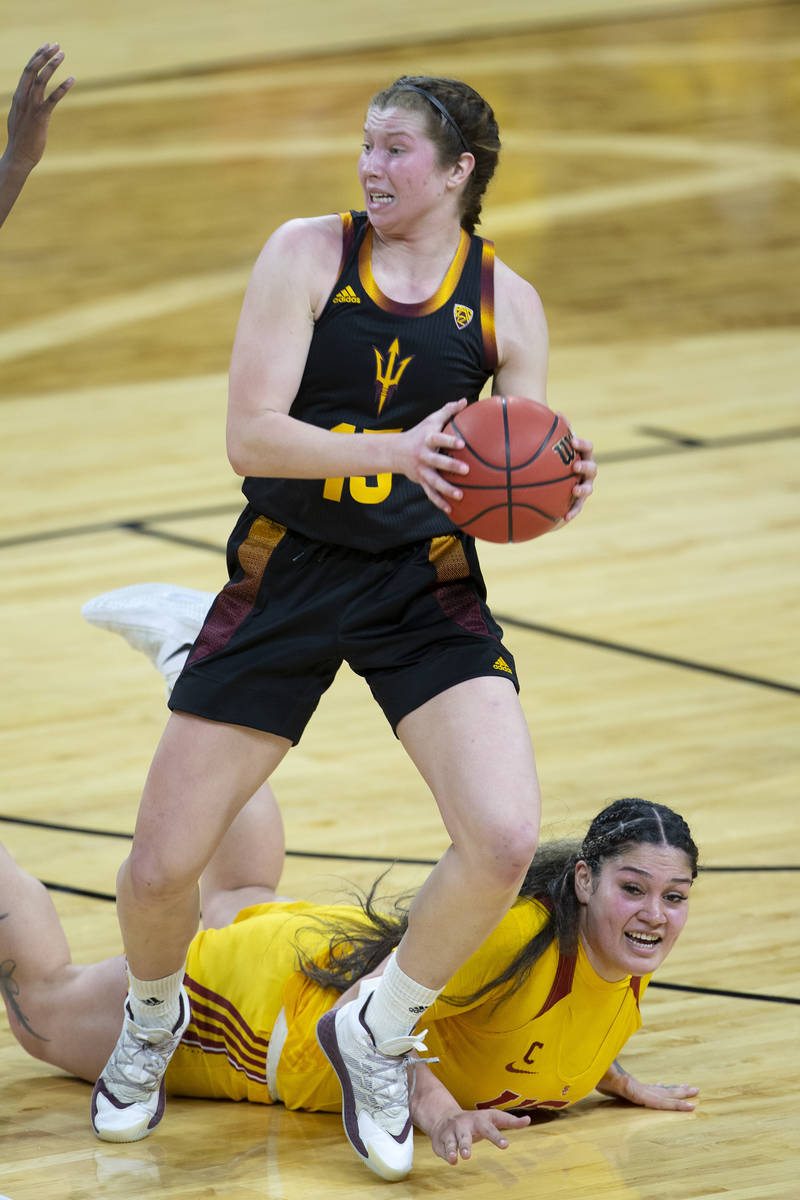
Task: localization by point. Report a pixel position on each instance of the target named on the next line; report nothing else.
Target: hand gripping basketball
(520, 480)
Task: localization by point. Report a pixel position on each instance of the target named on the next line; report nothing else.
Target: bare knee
(154, 879)
(501, 853)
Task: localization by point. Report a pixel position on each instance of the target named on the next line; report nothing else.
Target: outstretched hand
(31, 111)
(455, 1134)
(649, 1095)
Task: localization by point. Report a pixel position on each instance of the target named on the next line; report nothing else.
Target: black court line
(706, 991)
(672, 987)
(489, 31)
(671, 441)
(669, 660)
(76, 891)
(134, 525)
(177, 539)
(325, 855)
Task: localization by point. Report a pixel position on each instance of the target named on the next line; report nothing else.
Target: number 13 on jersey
(361, 491)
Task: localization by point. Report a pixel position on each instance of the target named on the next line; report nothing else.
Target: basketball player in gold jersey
(360, 336)
(534, 1019)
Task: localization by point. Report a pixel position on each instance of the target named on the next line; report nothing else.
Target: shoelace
(145, 1061)
(384, 1089)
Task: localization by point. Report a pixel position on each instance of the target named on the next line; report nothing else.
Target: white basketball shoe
(159, 619)
(375, 1092)
(128, 1098)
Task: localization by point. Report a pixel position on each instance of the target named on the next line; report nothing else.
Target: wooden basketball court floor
(649, 187)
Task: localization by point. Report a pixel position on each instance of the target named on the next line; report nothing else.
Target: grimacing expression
(399, 169)
(634, 909)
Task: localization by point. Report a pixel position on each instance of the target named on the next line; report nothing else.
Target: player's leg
(472, 746)
(248, 863)
(162, 621)
(63, 1014)
(202, 775)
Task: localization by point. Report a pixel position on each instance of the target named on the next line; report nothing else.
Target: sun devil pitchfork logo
(388, 374)
(462, 315)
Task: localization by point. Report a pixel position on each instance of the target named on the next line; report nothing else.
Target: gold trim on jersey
(424, 307)
(487, 305)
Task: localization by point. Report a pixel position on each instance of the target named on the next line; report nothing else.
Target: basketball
(520, 479)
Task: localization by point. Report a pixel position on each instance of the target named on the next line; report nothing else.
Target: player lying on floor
(550, 998)
(535, 1019)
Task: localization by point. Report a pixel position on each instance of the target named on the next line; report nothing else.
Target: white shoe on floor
(375, 1094)
(128, 1098)
(159, 619)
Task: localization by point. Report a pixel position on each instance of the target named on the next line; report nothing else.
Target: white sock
(155, 1003)
(397, 1004)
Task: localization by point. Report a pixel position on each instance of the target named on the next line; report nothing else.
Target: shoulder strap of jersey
(353, 224)
(487, 304)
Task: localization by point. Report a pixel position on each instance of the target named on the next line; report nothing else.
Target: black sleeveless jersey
(376, 366)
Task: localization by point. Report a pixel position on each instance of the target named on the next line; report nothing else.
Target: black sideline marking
(325, 855)
(669, 660)
(706, 991)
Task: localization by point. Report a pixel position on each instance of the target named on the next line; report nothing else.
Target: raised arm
(617, 1082)
(28, 120)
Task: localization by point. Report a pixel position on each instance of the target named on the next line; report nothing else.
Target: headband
(437, 104)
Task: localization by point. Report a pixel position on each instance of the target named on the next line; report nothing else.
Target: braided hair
(356, 950)
(458, 119)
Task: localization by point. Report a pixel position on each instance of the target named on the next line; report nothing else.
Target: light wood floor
(649, 187)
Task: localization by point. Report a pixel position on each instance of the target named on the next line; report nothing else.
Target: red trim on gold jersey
(217, 1027)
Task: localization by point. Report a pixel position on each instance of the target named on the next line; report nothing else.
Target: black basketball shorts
(413, 621)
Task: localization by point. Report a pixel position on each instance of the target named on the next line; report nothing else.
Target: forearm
(12, 180)
(273, 444)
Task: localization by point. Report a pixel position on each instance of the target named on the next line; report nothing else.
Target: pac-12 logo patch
(462, 315)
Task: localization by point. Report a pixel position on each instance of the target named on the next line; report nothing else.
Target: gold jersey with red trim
(545, 1046)
(378, 366)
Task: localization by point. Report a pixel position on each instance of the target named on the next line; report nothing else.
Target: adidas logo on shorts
(500, 664)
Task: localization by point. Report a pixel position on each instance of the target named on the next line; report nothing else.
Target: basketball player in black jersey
(361, 334)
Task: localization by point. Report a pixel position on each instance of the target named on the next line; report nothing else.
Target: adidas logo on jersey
(500, 664)
(346, 296)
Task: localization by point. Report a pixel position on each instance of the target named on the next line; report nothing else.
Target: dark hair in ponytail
(457, 119)
(355, 950)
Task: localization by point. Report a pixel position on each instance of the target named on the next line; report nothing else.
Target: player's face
(398, 169)
(632, 914)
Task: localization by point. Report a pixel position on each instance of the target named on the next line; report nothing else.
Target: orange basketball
(520, 480)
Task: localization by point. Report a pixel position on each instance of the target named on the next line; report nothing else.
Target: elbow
(254, 445)
(237, 457)
(244, 456)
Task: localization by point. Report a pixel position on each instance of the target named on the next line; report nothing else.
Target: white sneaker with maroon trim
(375, 1096)
(128, 1098)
